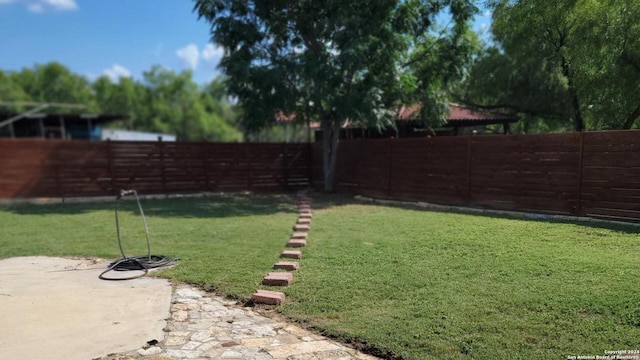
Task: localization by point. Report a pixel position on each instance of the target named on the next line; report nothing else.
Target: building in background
(126, 135)
(72, 127)
(460, 120)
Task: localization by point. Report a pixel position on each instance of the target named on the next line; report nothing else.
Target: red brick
(297, 243)
(299, 235)
(278, 279)
(304, 221)
(291, 254)
(297, 227)
(268, 297)
(286, 265)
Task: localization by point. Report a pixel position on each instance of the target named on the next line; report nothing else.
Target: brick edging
(298, 239)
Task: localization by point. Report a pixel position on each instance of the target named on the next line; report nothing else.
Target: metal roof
(71, 118)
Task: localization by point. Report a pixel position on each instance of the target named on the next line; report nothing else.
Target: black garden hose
(142, 263)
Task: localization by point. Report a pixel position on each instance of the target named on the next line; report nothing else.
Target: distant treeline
(162, 101)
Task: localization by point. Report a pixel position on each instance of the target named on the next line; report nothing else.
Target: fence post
(204, 154)
(162, 165)
(578, 210)
(247, 157)
(469, 169)
(426, 163)
(285, 163)
(59, 188)
(389, 153)
(309, 162)
(112, 172)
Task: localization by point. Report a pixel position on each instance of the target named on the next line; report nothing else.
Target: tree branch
(631, 118)
(629, 60)
(425, 52)
(506, 106)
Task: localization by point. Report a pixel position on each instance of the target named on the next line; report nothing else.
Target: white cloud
(117, 71)
(488, 13)
(42, 5)
(189, 55)
(35, 7)
(212, 53)
(61, 4)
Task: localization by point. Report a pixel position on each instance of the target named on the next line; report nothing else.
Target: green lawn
(396, 281)
(227, 242)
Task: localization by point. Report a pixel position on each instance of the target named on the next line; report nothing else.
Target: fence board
(50, 168)
(595, 173)
(611, 174)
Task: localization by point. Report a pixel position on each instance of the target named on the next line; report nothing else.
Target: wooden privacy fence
(588, 174)
(52, 168)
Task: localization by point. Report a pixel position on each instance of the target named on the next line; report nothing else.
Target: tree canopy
(575, 64)
(163, 101)
(333, 61)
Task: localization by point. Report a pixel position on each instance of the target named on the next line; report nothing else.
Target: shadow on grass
(253, 204)
(214, 206)
(346, 199)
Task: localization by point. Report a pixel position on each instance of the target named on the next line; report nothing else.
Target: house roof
(69, 118)
(281, 117)
(78, 126)
(459, 115)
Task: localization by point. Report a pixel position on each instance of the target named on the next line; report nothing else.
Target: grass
(226, 243)
(396, 281)
(428, 285)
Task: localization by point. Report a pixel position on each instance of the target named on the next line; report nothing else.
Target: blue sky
(112, 37)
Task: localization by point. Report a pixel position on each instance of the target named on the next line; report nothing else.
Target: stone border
(203, 325)
(507, 213)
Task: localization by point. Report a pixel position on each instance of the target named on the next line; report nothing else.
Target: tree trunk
(573, 93)
(628, 123)
(330, 139)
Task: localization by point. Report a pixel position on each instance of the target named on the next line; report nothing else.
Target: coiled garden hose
(142, 263)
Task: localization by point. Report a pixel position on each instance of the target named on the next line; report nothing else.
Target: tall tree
(608, 59)
(119, 98)
(164, 102)
(54, 82)
(334, 61)
(11, 91)
(171, 103)
(538, 94)
(222, 114)
(576, 61)
(175, 104)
